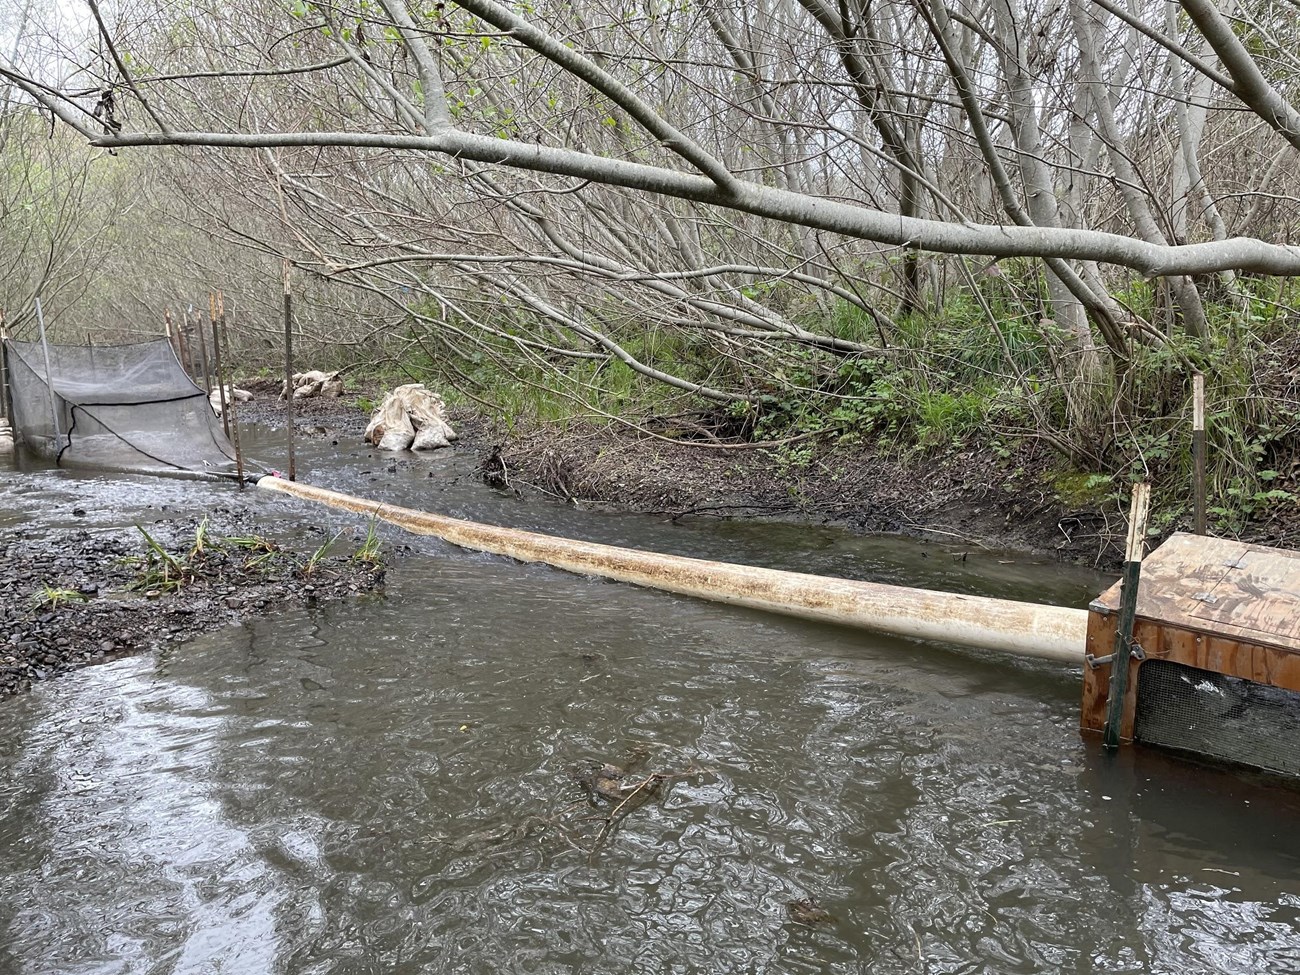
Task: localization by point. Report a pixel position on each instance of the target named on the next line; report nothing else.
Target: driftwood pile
(410, 418)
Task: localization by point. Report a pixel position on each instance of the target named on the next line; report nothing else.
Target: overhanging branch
(1150, 259)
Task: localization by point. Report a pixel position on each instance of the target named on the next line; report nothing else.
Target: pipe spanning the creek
(1026, 629)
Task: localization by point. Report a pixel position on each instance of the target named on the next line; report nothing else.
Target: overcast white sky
(50, 30)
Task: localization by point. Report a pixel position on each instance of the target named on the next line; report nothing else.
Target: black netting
(1215, 716)
(127, 407)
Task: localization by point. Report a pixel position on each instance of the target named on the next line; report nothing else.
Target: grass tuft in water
(371, 551)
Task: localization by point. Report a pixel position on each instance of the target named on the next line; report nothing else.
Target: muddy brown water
(378, 785)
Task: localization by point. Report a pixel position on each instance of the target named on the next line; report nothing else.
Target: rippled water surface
(387, 785)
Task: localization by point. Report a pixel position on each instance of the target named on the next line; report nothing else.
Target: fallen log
(1026, 629)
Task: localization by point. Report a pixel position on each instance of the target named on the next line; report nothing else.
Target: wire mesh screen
(35, 411)
(127, 407)
(1215, 716)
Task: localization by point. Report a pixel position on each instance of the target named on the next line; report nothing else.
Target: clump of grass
(159, 570)
(370, 552)
(52, 597)
(262, 550)
(201, 541)
(312, 565)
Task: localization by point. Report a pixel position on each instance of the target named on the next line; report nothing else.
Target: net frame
(124, 407)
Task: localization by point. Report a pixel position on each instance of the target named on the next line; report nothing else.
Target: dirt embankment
(983, 500)
(70, 598)
(1016, 497)
(76, 597)
(1001, 502)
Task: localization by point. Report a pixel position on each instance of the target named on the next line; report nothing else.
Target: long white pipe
(1026, 629)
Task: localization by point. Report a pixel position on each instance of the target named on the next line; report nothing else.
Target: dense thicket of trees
(746, 201)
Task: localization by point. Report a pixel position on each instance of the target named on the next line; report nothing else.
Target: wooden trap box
(1220, 606)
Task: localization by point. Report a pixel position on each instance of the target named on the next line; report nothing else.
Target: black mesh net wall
(126, 407)
(1212, 715)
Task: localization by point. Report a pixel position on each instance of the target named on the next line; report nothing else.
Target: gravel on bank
(74, 597)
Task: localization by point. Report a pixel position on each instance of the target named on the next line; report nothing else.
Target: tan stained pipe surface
(1026, 629)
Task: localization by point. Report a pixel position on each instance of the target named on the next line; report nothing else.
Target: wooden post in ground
(1123, 652)
(216, 352)
(182, 347)
(234, 413)
(1198, 450)
(191, 366)
(288, 369)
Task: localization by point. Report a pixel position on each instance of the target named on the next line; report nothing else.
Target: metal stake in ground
(1119, 664)
(6, 406)
(288, 368)
(1198, 450)
(49, 378)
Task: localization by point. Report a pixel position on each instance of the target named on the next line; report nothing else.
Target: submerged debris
(609, 782)
(604, 782)
(483, 839)
(806, 910)
(620, 790)
(493, 470)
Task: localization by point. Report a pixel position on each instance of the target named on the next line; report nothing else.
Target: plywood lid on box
(1218, 586)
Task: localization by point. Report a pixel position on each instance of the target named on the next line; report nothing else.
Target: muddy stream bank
(491, 767)
(77, 548)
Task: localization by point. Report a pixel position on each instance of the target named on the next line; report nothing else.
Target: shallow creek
(386, 785)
